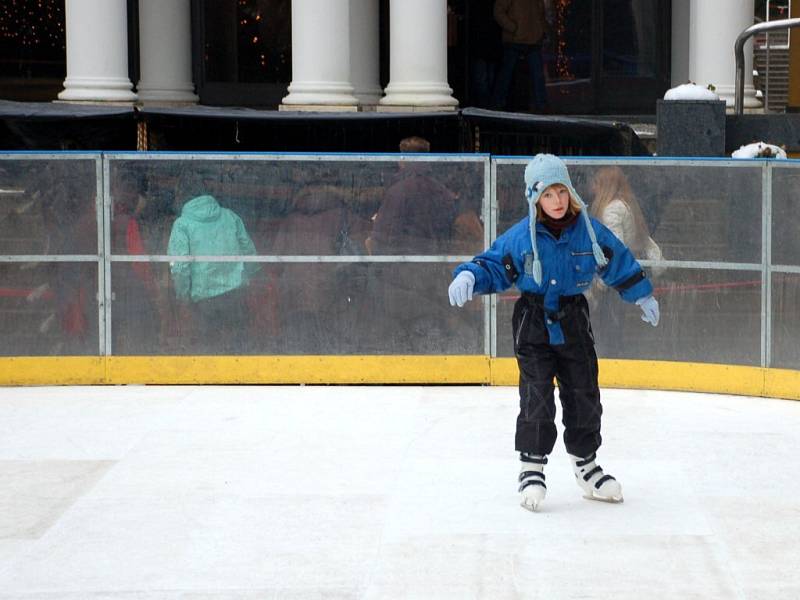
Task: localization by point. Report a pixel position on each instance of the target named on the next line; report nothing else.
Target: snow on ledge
(690, 91)
(759, 150)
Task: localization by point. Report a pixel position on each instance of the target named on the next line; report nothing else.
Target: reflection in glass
(294, 208)
(785, 216)
(785, 320)
(48, 309)
(48, 207)
(312, 207)
(706, 316)
(346, 308)
(699, 213)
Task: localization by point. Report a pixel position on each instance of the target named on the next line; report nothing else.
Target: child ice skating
(552, 256)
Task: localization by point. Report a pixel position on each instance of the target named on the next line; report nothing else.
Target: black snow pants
(573, 365)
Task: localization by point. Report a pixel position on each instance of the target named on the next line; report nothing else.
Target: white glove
(650, 313)
(460, 290)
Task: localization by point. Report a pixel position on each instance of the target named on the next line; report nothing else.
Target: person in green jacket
(213, 290)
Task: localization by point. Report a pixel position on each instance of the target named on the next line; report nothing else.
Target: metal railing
(738, 49)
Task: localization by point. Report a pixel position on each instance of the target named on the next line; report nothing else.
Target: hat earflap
(599, 256)
(532, 195)
(537, 264)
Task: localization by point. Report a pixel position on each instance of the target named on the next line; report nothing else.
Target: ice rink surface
(200, 493)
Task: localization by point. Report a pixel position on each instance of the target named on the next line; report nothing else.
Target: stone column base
(130, 103)
(399, 108)
(154, 96)
(146, 102)
(317, 108)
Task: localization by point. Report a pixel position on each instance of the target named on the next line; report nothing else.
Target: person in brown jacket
(416, 217)
(417, 212)
(524, 26)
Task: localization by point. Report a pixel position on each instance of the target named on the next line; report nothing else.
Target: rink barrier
(382, 370)
(753, 374)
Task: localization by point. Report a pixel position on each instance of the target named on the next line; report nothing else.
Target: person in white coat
(616, 207)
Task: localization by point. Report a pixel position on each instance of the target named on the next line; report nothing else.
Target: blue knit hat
(542, 172)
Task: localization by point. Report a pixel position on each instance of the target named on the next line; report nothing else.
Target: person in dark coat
(416, 217)
(485, 49)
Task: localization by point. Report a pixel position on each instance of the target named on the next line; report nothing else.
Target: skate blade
(609, 499)
(531, 507)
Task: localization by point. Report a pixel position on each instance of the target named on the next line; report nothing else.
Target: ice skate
(595, 484)
(532, 487)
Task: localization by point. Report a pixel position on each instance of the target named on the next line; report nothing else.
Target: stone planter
(690, 128)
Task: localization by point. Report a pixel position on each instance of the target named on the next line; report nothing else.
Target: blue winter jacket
(568, 266)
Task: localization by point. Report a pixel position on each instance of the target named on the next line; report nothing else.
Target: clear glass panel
(706, 316)
(48, 309)
(785, 321)
(629, 38)
(302, 207)
(697, 213)
(785, 216)
(149, 318)
(48, 207)
(347, 308)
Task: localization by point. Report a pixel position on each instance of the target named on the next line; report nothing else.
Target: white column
(320, 57)
(714, 27)
(365, 52)
(97, 52)
(165, 52)
(418, 60)
(680, 42)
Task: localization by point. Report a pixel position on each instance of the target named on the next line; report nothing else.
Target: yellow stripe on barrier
(52, 370)
(690, 377)
(641, 374)
(782, 383)
(298, 369)
(679, 376)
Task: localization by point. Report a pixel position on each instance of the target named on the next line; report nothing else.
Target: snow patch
(690, 91)
(759, 150)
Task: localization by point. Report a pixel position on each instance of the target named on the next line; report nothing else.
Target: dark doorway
(242, 51)
(599, 56)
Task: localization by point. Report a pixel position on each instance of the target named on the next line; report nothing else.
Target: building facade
(599, 57)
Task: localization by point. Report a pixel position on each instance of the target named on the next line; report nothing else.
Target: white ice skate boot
(595, 484)
(532, 488)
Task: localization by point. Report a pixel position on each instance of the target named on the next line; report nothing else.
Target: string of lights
(563, 68)
(33, 23)
(250, 24)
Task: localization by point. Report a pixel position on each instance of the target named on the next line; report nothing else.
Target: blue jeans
(483, 77)
(511, 54)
